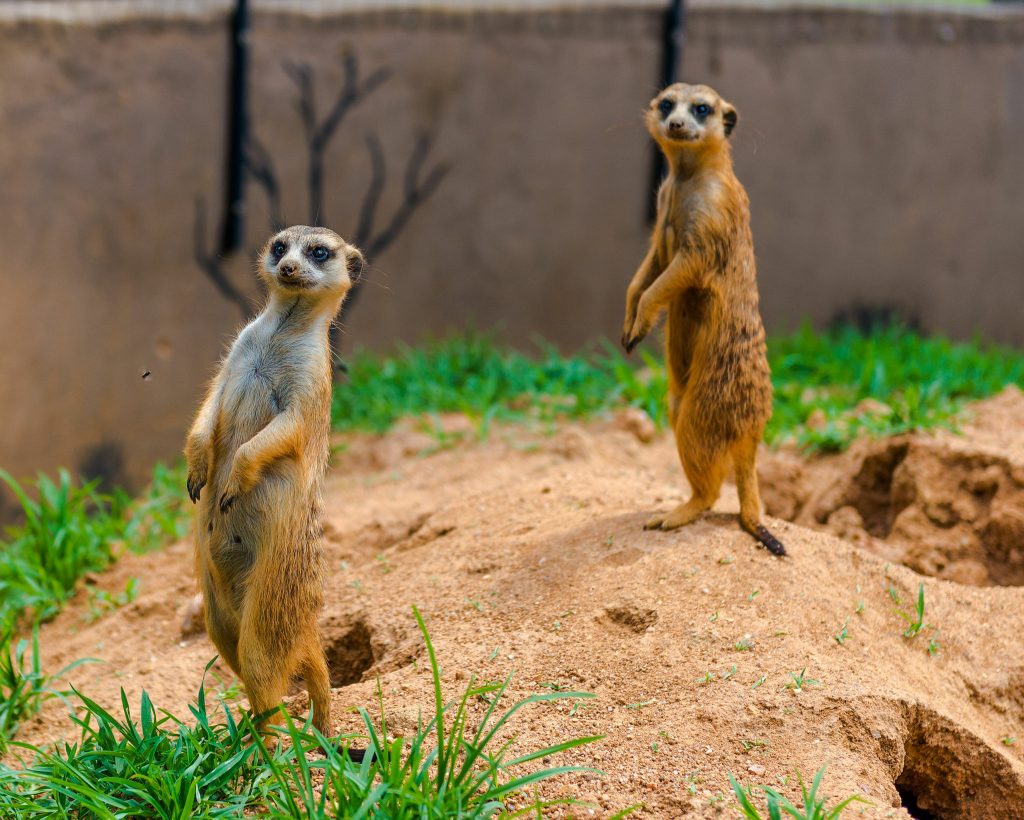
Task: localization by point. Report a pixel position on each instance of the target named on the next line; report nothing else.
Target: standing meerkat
(258, 452)
(700, 270)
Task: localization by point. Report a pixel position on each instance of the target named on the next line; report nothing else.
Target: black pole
(673, 38)
(238, 123)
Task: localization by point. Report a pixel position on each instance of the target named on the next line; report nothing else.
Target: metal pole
(672, 41)
(238, 124)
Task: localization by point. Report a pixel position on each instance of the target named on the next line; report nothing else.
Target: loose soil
(526, 554)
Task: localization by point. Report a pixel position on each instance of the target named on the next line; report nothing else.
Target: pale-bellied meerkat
(257, 455)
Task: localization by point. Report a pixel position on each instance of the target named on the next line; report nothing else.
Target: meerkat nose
(287, 268)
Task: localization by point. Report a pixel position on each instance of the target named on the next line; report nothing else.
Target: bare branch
(320, 134)
(302, 75)
(210, 263)
(352, 92)
(378, 179)
(260, 166)
(417, 192)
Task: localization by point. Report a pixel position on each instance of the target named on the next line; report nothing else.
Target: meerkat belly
(687, 316)
(271, 519)
(252, 399)
(729, 392)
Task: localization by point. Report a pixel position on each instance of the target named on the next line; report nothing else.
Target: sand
(526, 554)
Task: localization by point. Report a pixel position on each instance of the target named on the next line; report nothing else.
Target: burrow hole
(350, 654)
(949, 772)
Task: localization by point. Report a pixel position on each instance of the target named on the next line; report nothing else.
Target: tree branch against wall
(419, 181)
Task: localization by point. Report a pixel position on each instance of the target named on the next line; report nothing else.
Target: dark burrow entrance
(350, 654)
(949, 772)
(908, 800)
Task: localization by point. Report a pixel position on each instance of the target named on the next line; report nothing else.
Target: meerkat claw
(194, 488)
(225, 502)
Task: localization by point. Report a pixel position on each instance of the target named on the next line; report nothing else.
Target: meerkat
(700, 270)
(257, 455)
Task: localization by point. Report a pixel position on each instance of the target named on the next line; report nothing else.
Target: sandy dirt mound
(526, 553)
(944, 505)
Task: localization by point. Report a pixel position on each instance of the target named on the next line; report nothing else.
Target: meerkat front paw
(240, 480)
(198, 475)
(627, 331)
(227, 498)
(636, 334)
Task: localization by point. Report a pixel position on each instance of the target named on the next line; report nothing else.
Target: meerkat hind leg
(318, 684)
(705, 472)
(750, 498)
(265, 674)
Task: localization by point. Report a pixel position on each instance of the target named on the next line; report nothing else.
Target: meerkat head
(314, 261)
(689, 116)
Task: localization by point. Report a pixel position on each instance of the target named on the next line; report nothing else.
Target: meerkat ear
(729, 118)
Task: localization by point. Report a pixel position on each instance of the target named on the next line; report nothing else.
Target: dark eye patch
(319, 253)
(665, 107)
(278, 249)
(702, 111)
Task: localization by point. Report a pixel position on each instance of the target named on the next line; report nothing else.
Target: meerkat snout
(287, 268)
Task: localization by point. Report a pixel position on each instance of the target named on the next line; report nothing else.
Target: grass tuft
(813, 806)
(152, 764)
(24, 687)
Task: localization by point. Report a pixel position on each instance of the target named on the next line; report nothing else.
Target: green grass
(71, 529)
(472, 374)
(24, 687)
(153, 764)
(67, 531)
(921, 381)
(914, 382)
(812, 806)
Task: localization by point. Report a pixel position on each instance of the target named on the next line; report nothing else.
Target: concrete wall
(883, 153)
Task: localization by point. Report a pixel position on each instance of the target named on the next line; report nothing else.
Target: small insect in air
(145, 375)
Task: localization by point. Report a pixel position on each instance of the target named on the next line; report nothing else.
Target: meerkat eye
(701, 110)
(278, 249)
(665, 107)
(320, 253)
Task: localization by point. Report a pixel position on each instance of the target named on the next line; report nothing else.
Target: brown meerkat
(257, 453)
(700, 271)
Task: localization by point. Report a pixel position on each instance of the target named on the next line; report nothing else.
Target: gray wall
(882, 152)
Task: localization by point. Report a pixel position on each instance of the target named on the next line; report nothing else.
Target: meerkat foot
(679, 517)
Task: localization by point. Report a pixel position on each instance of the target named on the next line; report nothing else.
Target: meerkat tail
(770, 542)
